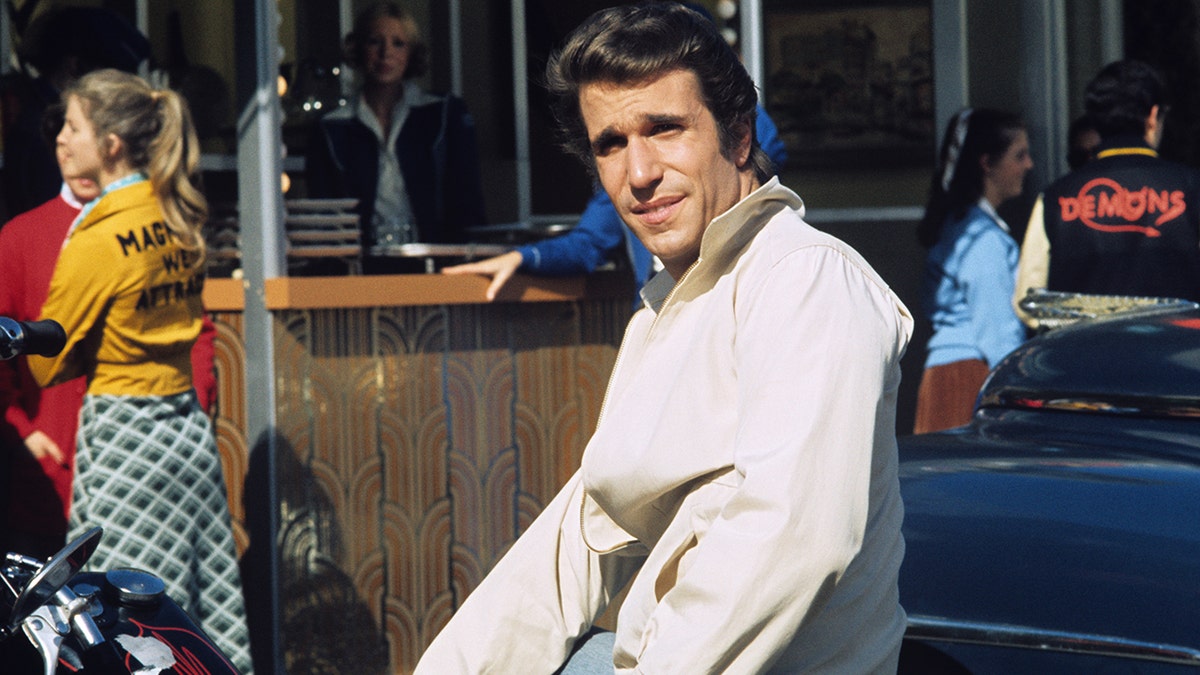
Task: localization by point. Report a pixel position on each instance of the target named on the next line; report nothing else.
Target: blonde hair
(159, 139)
(356, 41)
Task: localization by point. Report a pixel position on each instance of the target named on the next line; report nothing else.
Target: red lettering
(1135, 205)
(1111, 204)
(1178, 206)
(1108, 200)
(1157, 202)
(1087, 209)
(1069, 207)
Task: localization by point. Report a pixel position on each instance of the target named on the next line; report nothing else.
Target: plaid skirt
(147, 470)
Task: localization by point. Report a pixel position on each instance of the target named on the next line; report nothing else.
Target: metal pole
(950, 68)
(142, 19)
(1044, 85)
(753, 53)
(6, 42)
(260, 215)
(1112, 31)
(456, 49)
(521, 114)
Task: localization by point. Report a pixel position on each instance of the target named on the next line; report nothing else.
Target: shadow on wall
(325, 628)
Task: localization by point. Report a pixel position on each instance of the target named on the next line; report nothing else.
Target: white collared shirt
(392, 219)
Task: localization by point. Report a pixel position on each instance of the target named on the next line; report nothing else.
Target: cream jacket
(1033, 271)
(742, 473)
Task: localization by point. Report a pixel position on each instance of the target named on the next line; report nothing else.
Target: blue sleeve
(581, 250)
(988, 274)
(768, 139)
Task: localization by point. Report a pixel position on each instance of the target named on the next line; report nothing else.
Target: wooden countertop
(411, 290)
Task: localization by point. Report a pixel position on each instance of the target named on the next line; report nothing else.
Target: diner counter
(417, 430)
(228, 294)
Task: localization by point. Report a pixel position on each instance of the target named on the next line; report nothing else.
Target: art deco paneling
(230, 419)
(413, 445)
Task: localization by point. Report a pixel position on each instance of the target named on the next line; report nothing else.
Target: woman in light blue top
(971, 267)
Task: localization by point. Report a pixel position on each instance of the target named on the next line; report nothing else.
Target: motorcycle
(119, 621)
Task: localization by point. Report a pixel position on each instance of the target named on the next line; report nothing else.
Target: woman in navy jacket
(408, 156)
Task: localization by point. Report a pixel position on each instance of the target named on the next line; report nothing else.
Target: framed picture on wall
(850, 83)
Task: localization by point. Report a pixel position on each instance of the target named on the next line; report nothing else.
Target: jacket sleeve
(14, 415)
(204, 375)
(768, 139)
(987, 275)
(583, 248)
(540, 597)
(80, 293)
(1033, 270)
(817, 360)
(11, 287)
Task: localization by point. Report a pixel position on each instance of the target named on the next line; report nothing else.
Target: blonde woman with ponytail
(126, 289)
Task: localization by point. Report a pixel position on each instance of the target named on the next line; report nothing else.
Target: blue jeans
(592, 655)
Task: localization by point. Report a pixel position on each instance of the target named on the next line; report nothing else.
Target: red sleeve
(204, 374)
(15, 416)
(29, 247)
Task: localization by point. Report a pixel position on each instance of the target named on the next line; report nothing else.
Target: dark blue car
(1059, 532)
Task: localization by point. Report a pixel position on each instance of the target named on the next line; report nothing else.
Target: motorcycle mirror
(54, 575)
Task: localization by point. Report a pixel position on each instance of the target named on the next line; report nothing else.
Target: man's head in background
(1127, 98)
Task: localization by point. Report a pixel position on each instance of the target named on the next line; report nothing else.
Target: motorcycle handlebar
(43, 338)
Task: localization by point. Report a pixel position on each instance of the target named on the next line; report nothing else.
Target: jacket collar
(414, 96)
(1124, 145)
(131, 189)
(729, 232)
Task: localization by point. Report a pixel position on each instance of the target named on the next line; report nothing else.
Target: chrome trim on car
(1026, 637)
(1124, 406)
(1056, 309)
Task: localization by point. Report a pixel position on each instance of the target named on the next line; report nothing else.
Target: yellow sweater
(129, 299)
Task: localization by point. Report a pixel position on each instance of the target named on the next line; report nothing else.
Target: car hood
(1063, 521)
(1144, 364)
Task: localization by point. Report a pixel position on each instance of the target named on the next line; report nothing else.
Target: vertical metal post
(521, 114)
(1044, 85)
(950, 68)
(6, 42)
(345, 25)
(142, 18)
(753, 53)
(456, 48)
(260, 215)
(345, 18)
(1112, 27)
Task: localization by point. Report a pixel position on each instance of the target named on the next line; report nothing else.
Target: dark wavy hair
(958, 180)
(418, 53)
(638, 43)
(1119, 99)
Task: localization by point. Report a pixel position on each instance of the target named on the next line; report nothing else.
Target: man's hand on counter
(500, 268)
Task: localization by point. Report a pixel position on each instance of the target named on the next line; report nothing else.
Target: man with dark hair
(599, 231)
(1082, 139)
(59, 46)
(741, 482)
(1127, 222)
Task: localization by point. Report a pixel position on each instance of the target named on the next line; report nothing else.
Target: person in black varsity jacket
(1128, 222)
